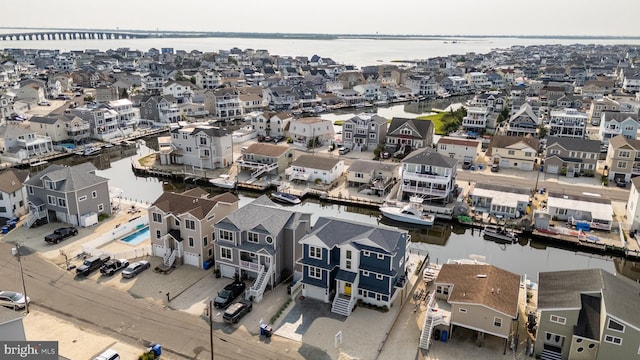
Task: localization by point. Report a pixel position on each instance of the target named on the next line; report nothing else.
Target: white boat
(500, 234)
(90, 151)
(430, 272)
(224, 182)
(412, 213)
(285, 197)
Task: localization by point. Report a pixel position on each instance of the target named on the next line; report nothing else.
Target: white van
(108, 354)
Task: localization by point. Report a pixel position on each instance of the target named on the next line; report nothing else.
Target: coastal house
(207, 79)
(499, 201)
(600, 105)
(280, 98)
(571, 156)
(263, 159)
(405, 135)
(568, 123)
(260, 241)
(305, 130)
(153, 83)
(475, 122)
(593, 210)
(352, 262)
(192, 110)
(30, 93)
(459, 149)
(372, 177)
(477, 80)
(223, 104)
(492, 100)
(364, 131)
(13, 195)
(429, 175)
(315, 169)
(272, 124)
(633, 206)
(181, 225)
(160, 110)
(250, 102)
(618, 123)
(51, 126)
(198, 145)
(623, 158)
(182, 91)
(480, 297)
(127, 115)
(68, 194)
(106, 93)
(18, 142)
(513, 151)
(104, 121)
(523, 123)
(587, 314)
(6, 108)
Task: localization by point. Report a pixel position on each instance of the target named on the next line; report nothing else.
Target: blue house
(353, 261)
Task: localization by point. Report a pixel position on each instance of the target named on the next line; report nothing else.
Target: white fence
(92, 247)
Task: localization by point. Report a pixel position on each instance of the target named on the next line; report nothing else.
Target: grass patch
(446, 121)
(148, 160)
(280, 311)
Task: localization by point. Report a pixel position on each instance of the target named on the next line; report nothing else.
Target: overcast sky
(421, 17)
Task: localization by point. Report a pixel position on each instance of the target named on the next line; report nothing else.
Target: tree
(124, 94)
(542, 131)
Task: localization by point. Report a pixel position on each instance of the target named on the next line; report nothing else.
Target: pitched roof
(422, 127)
(315, 162)
(365, 166)
(428, 156)
(585, 145)
(488, 285)
(12, 180)
(458, 141)
(267, 149)
(191, 202)
(72, 178)
(563, 289)
(503, 141)
(619, 141)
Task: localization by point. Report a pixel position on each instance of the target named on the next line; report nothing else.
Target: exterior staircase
(550, 355)
(434, 318)
(257, 289)
(265, 168)
(30, 220)
(170, 258)
(342, 305)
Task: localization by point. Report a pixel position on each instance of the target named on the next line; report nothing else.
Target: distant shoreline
(320, 36)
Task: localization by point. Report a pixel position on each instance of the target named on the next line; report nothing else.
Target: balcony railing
(424, 190)
(425, 177)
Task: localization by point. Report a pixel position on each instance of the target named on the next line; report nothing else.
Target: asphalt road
(117, 314)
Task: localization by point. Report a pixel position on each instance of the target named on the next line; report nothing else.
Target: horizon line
(558, 36)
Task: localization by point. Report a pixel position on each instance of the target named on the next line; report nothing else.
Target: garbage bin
(156, 349)
(444, 336)
(5, 229)
(266, 330)
(436, 334)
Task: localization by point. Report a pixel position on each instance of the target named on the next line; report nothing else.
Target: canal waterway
(443, 240)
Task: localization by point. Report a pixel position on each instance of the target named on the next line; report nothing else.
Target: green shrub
(102, 216)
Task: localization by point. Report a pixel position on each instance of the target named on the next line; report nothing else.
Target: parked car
(260, 138)
(228, 294)
(13, 300)
(495, 168)
(112, 266)
(236, 311)
(620, 182)
(44, 103)
(61, 234)
(135, 268)
(278, 139)
(343, 150)
(92, 264)
(466, 165)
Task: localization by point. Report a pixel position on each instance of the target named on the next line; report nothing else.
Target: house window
(615, 326)
(359, 175)
(269, 240)
(190, 224)
(177, 222)
(205, 241)
(203, 141)
(210, 252)
(623, 154)
(30, 190)
(100, 207)
(49, 185)
(158, 234)
(226, 235)
(380, 256)
(348, 264)
(94, 194)
(348, 254)
(252, 237)
(365, 253)
(225, 253)
(379, 276)
(622, 164)
(462, 310)
(315, 272)
(528, 154)
(561, 211)
(62, 202)
(613, 339)
(558, 319)
(315, 252)
(497, 322)
(51, 200)
(82, 198)
(512, 152)
(156, 217)
(372, 136)
(190, 241)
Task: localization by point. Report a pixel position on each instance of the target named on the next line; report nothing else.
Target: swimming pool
(137, 237)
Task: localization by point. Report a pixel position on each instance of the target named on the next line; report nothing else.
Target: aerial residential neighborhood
(526, 145)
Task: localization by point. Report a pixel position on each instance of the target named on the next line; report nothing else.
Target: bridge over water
(91, 35)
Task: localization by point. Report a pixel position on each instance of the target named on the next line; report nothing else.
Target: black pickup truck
(92, 264)
(60, 234)
(228, 294)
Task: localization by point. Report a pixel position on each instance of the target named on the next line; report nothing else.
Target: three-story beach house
(428, 174)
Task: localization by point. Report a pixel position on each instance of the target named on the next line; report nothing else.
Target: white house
(459, 149)
(198, 145)
(311, 168)
(618, 123)
(633, 204)
(304, 129)
(13, 195)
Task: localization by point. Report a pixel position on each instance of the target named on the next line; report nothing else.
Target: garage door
(227, 271)
(526, 166)
(553, 169)
(192, 259)
(314, 292)
(505, 164)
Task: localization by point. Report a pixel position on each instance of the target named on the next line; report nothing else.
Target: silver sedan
(135, 268)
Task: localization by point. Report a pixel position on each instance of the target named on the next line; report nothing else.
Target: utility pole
(211, 326)
(24, 288)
